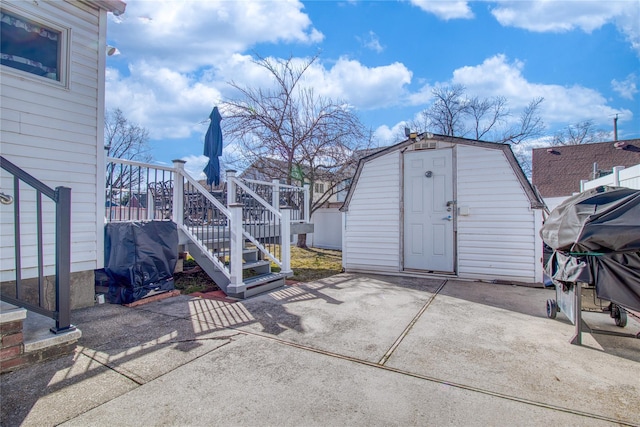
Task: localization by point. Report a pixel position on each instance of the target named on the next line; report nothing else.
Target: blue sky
(382, 57)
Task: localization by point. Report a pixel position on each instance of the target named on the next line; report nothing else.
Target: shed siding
(372, 235)
(53, 133)
(497, 239)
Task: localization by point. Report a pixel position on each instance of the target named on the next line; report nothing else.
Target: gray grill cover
(595, 236)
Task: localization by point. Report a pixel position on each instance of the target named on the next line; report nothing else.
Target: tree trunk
(302, 241)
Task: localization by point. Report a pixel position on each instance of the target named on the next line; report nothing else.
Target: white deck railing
(257, 211)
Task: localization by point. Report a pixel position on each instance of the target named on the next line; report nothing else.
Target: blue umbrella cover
(213, 147)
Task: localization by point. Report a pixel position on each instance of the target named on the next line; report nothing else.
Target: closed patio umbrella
(213, 147)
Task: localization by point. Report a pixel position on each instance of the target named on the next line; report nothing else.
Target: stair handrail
(285, 262)
(277, 187)
(61, 196)
(179, 216)
(140, 164)
(239, 182)
(205, 192)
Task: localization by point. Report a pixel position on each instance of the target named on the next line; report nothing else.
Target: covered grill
(595, 237)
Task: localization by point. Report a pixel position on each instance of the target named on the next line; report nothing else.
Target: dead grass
(193, 279)
(314, 264)
(307, 264)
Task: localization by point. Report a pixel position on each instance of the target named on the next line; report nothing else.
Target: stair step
(226, 252)
(255, 264)
(263, 283)
(263, 278)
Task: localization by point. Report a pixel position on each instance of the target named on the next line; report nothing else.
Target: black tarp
(140, 257)
(595, 236)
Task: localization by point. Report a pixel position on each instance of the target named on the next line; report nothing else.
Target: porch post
(275, 194)
(285, 240)
(63, 261)
(231, 187)
(307, 204)
(150, 204)
(178, 192)
(236, 285)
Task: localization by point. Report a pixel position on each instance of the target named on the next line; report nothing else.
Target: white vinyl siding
(327, 229)
(372, 237)
(496, 241)
(54, 133)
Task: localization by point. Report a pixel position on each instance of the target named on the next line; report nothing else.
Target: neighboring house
(52, 108)
(327, 218)
(557, 171)
(268, 169)
(443, 205)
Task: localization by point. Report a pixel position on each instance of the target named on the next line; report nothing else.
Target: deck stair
(235, 236)
(257, 275)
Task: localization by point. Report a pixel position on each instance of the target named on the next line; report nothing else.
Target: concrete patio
(347, 350)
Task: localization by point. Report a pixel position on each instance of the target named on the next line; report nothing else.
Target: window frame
(63, 48)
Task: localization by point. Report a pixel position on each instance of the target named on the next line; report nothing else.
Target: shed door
(428, 210)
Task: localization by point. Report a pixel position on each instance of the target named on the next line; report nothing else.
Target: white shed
(52, 79)
(444, 205)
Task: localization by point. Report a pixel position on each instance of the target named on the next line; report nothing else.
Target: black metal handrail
(61, 196)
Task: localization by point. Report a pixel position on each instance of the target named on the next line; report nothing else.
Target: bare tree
(454, 114)
(124, 140)
(580, 133)
(486, 113)
(314, 136)
(529, 126)
(448, 113)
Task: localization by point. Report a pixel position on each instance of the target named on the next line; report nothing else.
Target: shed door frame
(410, 256)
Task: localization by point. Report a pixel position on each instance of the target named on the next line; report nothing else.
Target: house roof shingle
(557, 170)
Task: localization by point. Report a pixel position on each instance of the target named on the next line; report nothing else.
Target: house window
(343, 187)
(318, 187)
(31, 47)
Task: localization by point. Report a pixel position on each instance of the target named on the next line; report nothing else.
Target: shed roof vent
(424, 145)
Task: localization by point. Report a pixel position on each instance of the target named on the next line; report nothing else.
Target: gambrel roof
(535, 201)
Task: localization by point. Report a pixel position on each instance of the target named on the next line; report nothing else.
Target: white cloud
(422, 96)
(626, 88)
(561, 16)
(348, 80)
(385, 135)
(169, 104)
(563, 104)
(361, 86)
(173, 104)
(458, 9)
(192, 34)
(195, 165)
(372, 42)
(496, 76)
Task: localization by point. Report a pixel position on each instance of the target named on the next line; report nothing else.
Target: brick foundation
(12, 345)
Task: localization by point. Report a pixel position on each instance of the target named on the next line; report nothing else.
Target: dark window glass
(28, 46)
